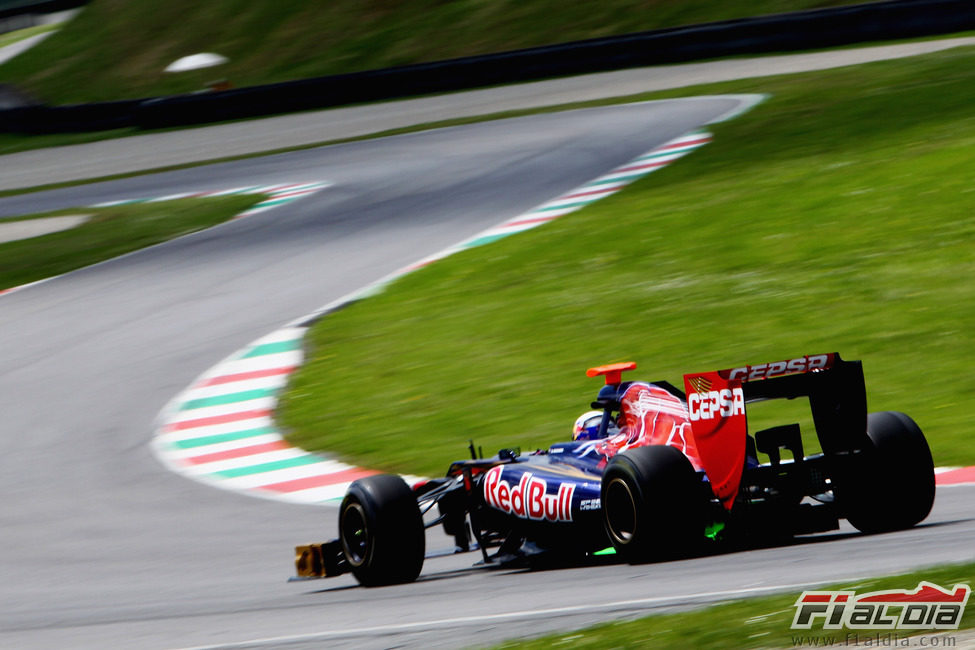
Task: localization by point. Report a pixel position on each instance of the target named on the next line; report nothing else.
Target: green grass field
(111, 232)
(117, 49)
(838, 215)
(759, 623)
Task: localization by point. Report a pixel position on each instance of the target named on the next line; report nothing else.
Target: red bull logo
(529, 498)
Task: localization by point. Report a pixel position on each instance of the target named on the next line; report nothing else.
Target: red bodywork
(710, 428)
(652, 416)
(716, 409)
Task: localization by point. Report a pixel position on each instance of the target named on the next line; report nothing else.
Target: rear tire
(651, 502)
(381, 531)
(891, 486)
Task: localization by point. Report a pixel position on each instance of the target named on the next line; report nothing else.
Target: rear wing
(717, 401)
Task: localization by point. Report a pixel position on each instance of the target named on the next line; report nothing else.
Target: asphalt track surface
(101, 546)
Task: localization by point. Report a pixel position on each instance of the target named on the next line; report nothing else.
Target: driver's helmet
(587, 426)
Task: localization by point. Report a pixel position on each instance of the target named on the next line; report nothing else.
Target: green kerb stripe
(666, 154)
(273, 348)
(617, 179)
(269, 467)
(563, 206)
(229, 398)
(204, 441)
(486, 239)
(271, 202)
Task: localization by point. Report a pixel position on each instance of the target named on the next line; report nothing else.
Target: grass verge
(835, 216)
(116, 49)
(758, 623)
(108, 233)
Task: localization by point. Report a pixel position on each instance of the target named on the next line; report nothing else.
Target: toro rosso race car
(653, 473)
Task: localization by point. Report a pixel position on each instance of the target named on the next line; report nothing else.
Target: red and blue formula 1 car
(659, 473)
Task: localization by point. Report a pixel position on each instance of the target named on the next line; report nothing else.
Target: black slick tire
(381, 531)
(891, 486)
(651, 502)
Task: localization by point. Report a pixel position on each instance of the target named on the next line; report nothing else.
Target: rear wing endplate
(716, 404)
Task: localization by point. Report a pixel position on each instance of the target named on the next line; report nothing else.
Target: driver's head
(587, 426)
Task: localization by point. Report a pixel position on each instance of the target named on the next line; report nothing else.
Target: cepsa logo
(776, 368)
(528, 499)
(724, 403)
(928, 607)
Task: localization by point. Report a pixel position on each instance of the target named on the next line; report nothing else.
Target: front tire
(891, 486)
(381, 531)
(651, 503)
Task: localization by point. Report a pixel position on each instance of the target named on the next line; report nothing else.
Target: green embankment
(118, 49)
(837, 215)
(110, 232)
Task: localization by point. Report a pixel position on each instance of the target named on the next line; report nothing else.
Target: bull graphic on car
(655, 472)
